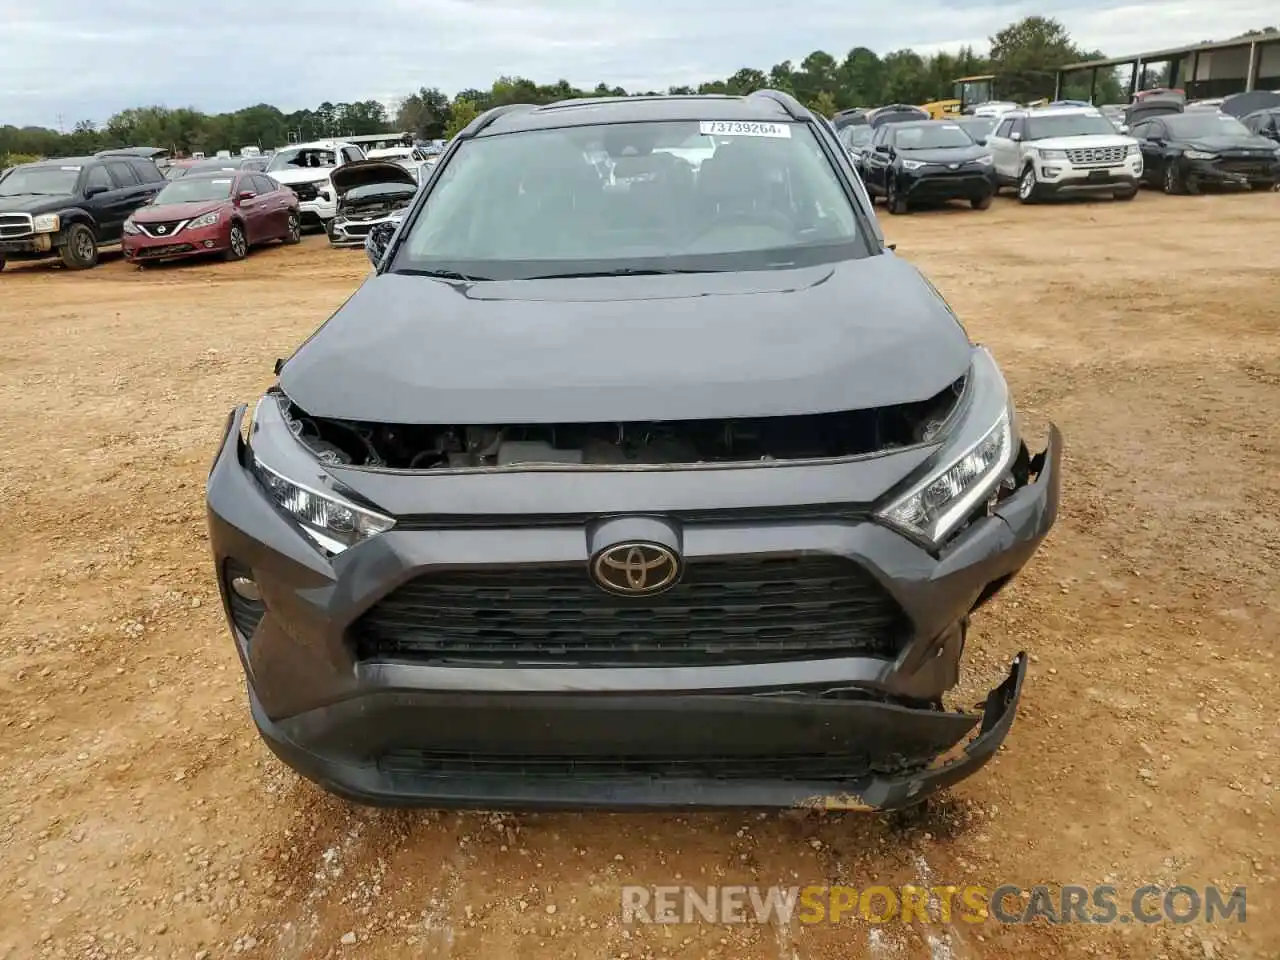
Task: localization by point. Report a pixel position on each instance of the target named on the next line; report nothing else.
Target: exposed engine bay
(634, 443)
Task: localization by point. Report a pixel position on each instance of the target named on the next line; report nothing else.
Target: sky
(85, 60)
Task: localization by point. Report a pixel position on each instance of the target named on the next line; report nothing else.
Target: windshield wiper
(442, 274)
(619, 272)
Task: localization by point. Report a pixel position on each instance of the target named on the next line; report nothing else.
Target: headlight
(331, 522)
(46, 223)
(204, 220)
(1133, 150)
(294, 480)
(1199, 155)
(913, 164)
(985, 160)
(981, 451)
(1053, 154)
(130, 227)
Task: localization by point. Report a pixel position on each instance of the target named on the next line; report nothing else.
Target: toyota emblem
(636, 569)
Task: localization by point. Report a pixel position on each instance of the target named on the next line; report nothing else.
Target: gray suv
(669, 485)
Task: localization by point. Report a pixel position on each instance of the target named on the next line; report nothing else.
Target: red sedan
(223, 212)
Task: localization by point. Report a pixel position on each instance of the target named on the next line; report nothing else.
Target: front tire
(897, 204)
(1, 264)
(1262, 184)
(981, 203)
(293, 233)
(79, 250)
(237, 243)
(1028, 186)
(1172, 181)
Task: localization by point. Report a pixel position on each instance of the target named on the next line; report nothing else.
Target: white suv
(1064, 150)
(305, 169)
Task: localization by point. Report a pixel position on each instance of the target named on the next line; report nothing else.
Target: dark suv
(68, 208)
(640, 472)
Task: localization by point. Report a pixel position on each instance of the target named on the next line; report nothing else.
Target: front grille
(356, 229)
(168, 250)
(166, 229)
(1097, 155)
(305, 191)
(795, 767)
(724, 610)
(15, 225)
(1251, 166)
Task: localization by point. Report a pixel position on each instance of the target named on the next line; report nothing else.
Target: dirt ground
(140, 816)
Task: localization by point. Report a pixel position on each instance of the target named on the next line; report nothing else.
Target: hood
(1241, 104)
(302, 174)
(1086, 142)
(39, 203)
(682, 346)
(1231, 142)
(946, 154)
(164, 212)
(362, 173)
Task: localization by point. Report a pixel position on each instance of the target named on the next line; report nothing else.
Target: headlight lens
(985, 160)
(331, 522)
(1132, 150)
(933, 507)
(131, 228)
(1053, 154)
(1199, 155)
(204, 220)
(913, 164)
(46, 223)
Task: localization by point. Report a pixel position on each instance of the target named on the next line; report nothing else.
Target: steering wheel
(754, 218)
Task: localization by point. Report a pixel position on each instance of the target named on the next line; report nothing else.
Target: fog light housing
(246, 588)
(208, 244)
(244, 599)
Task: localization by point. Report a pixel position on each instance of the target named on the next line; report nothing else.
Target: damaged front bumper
(857, 731)
(348, 232)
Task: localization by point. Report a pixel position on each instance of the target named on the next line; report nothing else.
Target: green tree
(1026, 55)
(464, 111)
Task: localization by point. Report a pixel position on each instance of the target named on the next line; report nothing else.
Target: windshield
(21, 181)
(532, 204)
(190, 189)
(1206, 125)
(294, 158)
(977, 128)
(1068, 125)
(856, 136)
(931, 137)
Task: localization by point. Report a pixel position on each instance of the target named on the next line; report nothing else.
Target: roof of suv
(591, 110)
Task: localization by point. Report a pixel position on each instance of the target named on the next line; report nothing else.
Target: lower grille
(15, 225)
(1088, 155)
(786, 767)
(1246, 165)
(356, 229)
(168, 250)
(305, 191)
(725, 610)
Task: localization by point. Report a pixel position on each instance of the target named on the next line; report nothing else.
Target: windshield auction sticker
(741, 128)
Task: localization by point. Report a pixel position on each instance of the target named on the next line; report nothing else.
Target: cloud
(82, 60)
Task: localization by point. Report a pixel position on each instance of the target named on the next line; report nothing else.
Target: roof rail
(493, 113)
(794, 109)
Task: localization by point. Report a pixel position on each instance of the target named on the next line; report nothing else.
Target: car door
(875, 160)
(1003, 150)
(275, 206)
(1154, 144)
(251, 206)
(96, 190)
(125, 196)
(150, 176)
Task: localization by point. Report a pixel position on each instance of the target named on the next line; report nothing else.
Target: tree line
(1024, 56)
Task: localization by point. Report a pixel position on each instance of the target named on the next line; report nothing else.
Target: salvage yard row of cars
(1061, 149)
(69, 208)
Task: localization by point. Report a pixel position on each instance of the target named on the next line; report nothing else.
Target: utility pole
(60, 130)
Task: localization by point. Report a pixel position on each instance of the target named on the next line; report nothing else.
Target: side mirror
(376, 243)
(884, 148)
(93, 191)
(246, 195)
(1015, 137)
(981, 141)
(1124, 128)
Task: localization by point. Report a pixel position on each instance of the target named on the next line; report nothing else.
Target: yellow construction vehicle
(966, 92)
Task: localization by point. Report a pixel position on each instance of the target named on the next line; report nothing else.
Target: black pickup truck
(68, 208)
